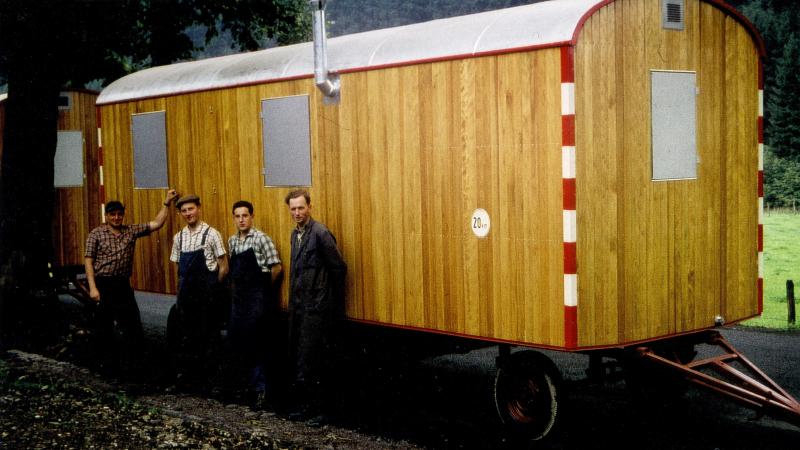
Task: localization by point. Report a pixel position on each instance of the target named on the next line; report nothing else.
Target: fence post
(790, 301)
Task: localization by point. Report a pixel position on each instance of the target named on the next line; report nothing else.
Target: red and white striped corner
(102, 193)
(760, 187)
(568, 187)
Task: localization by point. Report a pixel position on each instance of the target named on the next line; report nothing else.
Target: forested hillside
(778, 21)
(353, 16)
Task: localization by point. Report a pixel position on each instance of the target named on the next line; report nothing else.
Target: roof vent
(672, 14)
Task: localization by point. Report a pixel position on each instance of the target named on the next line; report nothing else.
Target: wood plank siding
(398, 168)
(415, 146)
(662, 257)
(78, 209)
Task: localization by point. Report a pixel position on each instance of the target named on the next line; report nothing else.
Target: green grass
(781, 263)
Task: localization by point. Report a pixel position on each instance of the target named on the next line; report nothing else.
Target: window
(673, 116)
(149, 150)
(64, 101)
(287, 141)
(68, 162)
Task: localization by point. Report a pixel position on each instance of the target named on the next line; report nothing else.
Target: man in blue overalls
(193, 326)
(255, 269)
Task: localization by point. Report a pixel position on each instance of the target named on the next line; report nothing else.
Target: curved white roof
(539, 24)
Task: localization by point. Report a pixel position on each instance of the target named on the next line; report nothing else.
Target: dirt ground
(385, 399)
(46, 403)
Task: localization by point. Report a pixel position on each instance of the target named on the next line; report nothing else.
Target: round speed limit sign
(480, 223)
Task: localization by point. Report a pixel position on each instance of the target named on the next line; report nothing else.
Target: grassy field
(781, 263)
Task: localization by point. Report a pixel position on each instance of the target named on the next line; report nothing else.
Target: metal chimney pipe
(326, 82)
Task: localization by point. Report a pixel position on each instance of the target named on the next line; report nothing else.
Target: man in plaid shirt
(109, 264)
(254, 269)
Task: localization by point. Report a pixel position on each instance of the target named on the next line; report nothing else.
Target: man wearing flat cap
(109, 263)
(202, 265)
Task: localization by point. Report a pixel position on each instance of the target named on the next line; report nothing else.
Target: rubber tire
(527, 395)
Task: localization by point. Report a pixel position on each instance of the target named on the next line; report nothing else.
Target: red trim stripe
(441, 332)
(570, 258)
(568, 64)
(100, 156)
(760, 183)
(573, 342)
(760, 295)
(760, 130)
(568, 130)
(570, 327)
(760, 74)
(412, 62)
(720, 4)
(761, 237)
(568, 185)
(351, 70)
(567, 69)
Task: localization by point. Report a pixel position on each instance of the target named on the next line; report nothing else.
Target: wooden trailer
(77, 179)
(574, 175)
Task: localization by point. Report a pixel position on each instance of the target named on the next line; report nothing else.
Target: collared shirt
(113, 253)
(262, 245)
(191, 240)
(301, 231)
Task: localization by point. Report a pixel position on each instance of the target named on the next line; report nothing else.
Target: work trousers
(118, 326)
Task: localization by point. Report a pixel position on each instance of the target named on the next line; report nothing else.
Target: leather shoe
(317, 421)
(296, 416)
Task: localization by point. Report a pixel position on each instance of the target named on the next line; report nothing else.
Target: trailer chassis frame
(754, 389)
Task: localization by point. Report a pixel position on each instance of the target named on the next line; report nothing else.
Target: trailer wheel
(526, 394)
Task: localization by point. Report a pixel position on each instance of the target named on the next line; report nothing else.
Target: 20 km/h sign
(480, 223)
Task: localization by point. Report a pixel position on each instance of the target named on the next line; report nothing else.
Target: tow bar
(751, 387)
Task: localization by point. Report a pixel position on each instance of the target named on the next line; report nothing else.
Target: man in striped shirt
(254, 269)
(109, 263)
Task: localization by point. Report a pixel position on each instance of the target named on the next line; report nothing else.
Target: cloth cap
(188, 198)
(114, 205)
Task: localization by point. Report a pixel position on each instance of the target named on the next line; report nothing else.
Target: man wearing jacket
(316, 304)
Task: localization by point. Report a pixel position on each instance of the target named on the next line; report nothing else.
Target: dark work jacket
(317, 274)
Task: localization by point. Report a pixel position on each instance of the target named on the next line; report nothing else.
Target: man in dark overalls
(255, 269)
(316, 307)
(193, 324)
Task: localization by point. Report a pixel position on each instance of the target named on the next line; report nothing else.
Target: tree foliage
(354, 16)
(784, 125)
(105, 39)
(47, 45)
(781, 187)
(778, 22)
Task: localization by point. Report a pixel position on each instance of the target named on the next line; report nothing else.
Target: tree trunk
(27, 299)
